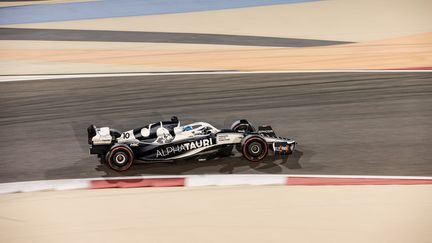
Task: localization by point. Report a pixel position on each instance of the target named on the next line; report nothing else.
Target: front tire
(120, 158)
(254, 148)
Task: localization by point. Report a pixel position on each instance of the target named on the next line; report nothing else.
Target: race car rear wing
(91, 132)
(99, 136)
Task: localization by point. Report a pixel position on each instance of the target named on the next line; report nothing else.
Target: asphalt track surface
(157, 37)
(346, 123)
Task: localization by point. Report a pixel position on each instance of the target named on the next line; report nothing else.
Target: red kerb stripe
(128, 183)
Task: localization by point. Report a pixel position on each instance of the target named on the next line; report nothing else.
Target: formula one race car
(169, 141)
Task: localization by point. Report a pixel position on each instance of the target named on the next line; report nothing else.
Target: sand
(341, 20)
(87, 57)
(221, 214)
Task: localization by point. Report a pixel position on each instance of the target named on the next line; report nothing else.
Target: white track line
(13, 78)
(229, 180)
(32, 186)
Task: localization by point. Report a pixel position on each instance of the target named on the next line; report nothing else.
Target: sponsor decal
(283, 148)
(223, 138)
(175, 149)
(266, 131)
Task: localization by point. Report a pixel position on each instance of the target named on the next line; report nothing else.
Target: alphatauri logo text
(183, 147)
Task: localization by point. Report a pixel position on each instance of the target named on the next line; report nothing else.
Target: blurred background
(47, 37)
(349, 80)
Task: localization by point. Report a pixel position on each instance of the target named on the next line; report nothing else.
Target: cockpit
(198, 128)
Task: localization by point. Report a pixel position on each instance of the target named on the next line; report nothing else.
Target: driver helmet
(187, 128)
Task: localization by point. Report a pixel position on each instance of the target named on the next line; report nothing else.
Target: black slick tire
(120, 158)
(254, 148)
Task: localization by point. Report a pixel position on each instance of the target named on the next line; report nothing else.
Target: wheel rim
(255, 148)
(120, 159)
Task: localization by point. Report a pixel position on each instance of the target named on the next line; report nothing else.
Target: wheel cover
(255, 149)
(120, 158)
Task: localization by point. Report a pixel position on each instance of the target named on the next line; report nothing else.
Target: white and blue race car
(169, 141)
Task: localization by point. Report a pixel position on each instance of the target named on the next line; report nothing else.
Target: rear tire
(254, 148)
(120, 158)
